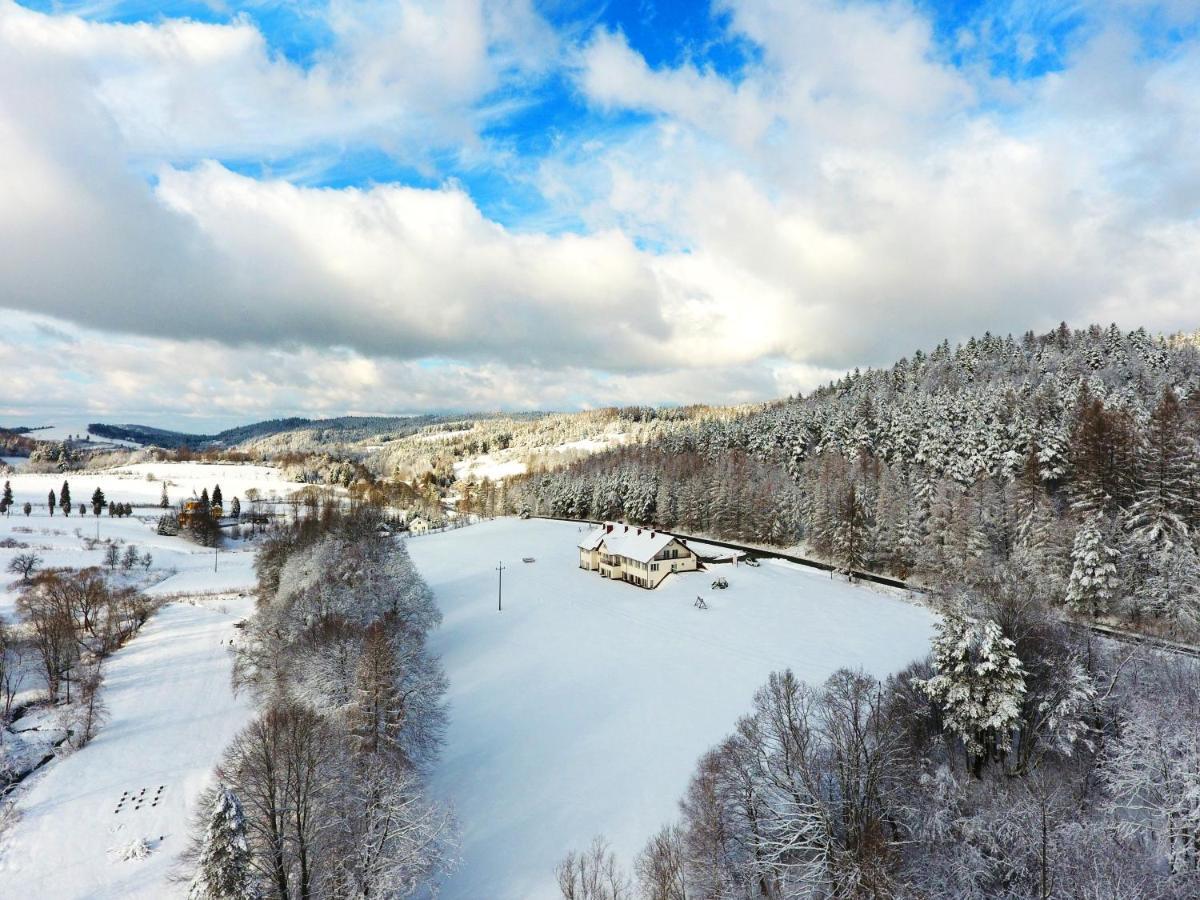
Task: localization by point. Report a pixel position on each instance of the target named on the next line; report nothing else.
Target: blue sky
(1016, 41)
(391, 205)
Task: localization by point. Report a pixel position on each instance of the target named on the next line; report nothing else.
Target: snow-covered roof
(593, 539)
(642, 544)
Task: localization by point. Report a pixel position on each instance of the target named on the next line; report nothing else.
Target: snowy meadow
(169, 703)
(584, 705)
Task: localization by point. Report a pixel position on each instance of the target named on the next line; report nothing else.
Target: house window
(654, 567)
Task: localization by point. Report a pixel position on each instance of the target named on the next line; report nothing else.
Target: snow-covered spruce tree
(979, 683)
(223, 862)
(1093, 569)
(1170, 589)
(1165, 464)
(849, 529)
(376, 714)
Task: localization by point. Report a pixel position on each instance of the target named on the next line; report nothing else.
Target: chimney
(639, 531)
(626, 527)
(608, 528)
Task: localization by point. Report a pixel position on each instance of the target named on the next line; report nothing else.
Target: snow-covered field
(168, 691)
(172, 712)
(187, 568)
(141, 483)
(583, 707)
(506, 463)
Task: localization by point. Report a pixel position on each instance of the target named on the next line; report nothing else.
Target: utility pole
(215, 551)
(500, 588)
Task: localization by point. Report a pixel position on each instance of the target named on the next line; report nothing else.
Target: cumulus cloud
(847, 194)
(405, 76)
(51, 368)
(883, 197)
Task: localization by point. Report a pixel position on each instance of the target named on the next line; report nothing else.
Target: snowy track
(583, 707)
(172, 712)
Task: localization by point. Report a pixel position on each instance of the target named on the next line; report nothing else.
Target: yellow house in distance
(192, 509)
(640, 556)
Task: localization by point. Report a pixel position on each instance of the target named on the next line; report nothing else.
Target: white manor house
(638, 555)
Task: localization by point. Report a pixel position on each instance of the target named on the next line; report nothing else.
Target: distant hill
(340, 429)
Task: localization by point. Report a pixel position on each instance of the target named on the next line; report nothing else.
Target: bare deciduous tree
(24, 564)
(592, 874)
(661, 867)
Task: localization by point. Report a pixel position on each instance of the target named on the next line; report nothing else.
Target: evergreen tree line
(1074, 454)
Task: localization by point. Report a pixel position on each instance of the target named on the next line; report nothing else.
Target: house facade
(640, 556)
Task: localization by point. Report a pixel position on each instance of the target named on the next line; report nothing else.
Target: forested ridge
(1072, 454)
(1018, 479)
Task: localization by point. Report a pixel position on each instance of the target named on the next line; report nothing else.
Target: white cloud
(848, 197)
(894, 200)
(405, 76)
(50, 367)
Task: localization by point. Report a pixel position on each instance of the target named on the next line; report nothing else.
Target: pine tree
(377, 713)
(1157, 517)
(7, 500)
(164, 501)
(64, 499)
(50, 501)
(235, 508)
(849, 528)
(1093, 569)
(217, 499)
(979, 684)
(1102, 456)
(223, 864)
(97, 501)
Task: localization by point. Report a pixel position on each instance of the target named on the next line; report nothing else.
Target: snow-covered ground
(506, 463)
(172, 713)
(168, 691)
(141, 483)
(488, 465)
(186, 567)
(583, 707)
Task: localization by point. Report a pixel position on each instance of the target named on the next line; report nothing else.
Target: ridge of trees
(1075, 454)
(323, 793)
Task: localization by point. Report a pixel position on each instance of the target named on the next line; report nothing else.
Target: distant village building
(639, 556)
(192, 509)
(417, 525)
